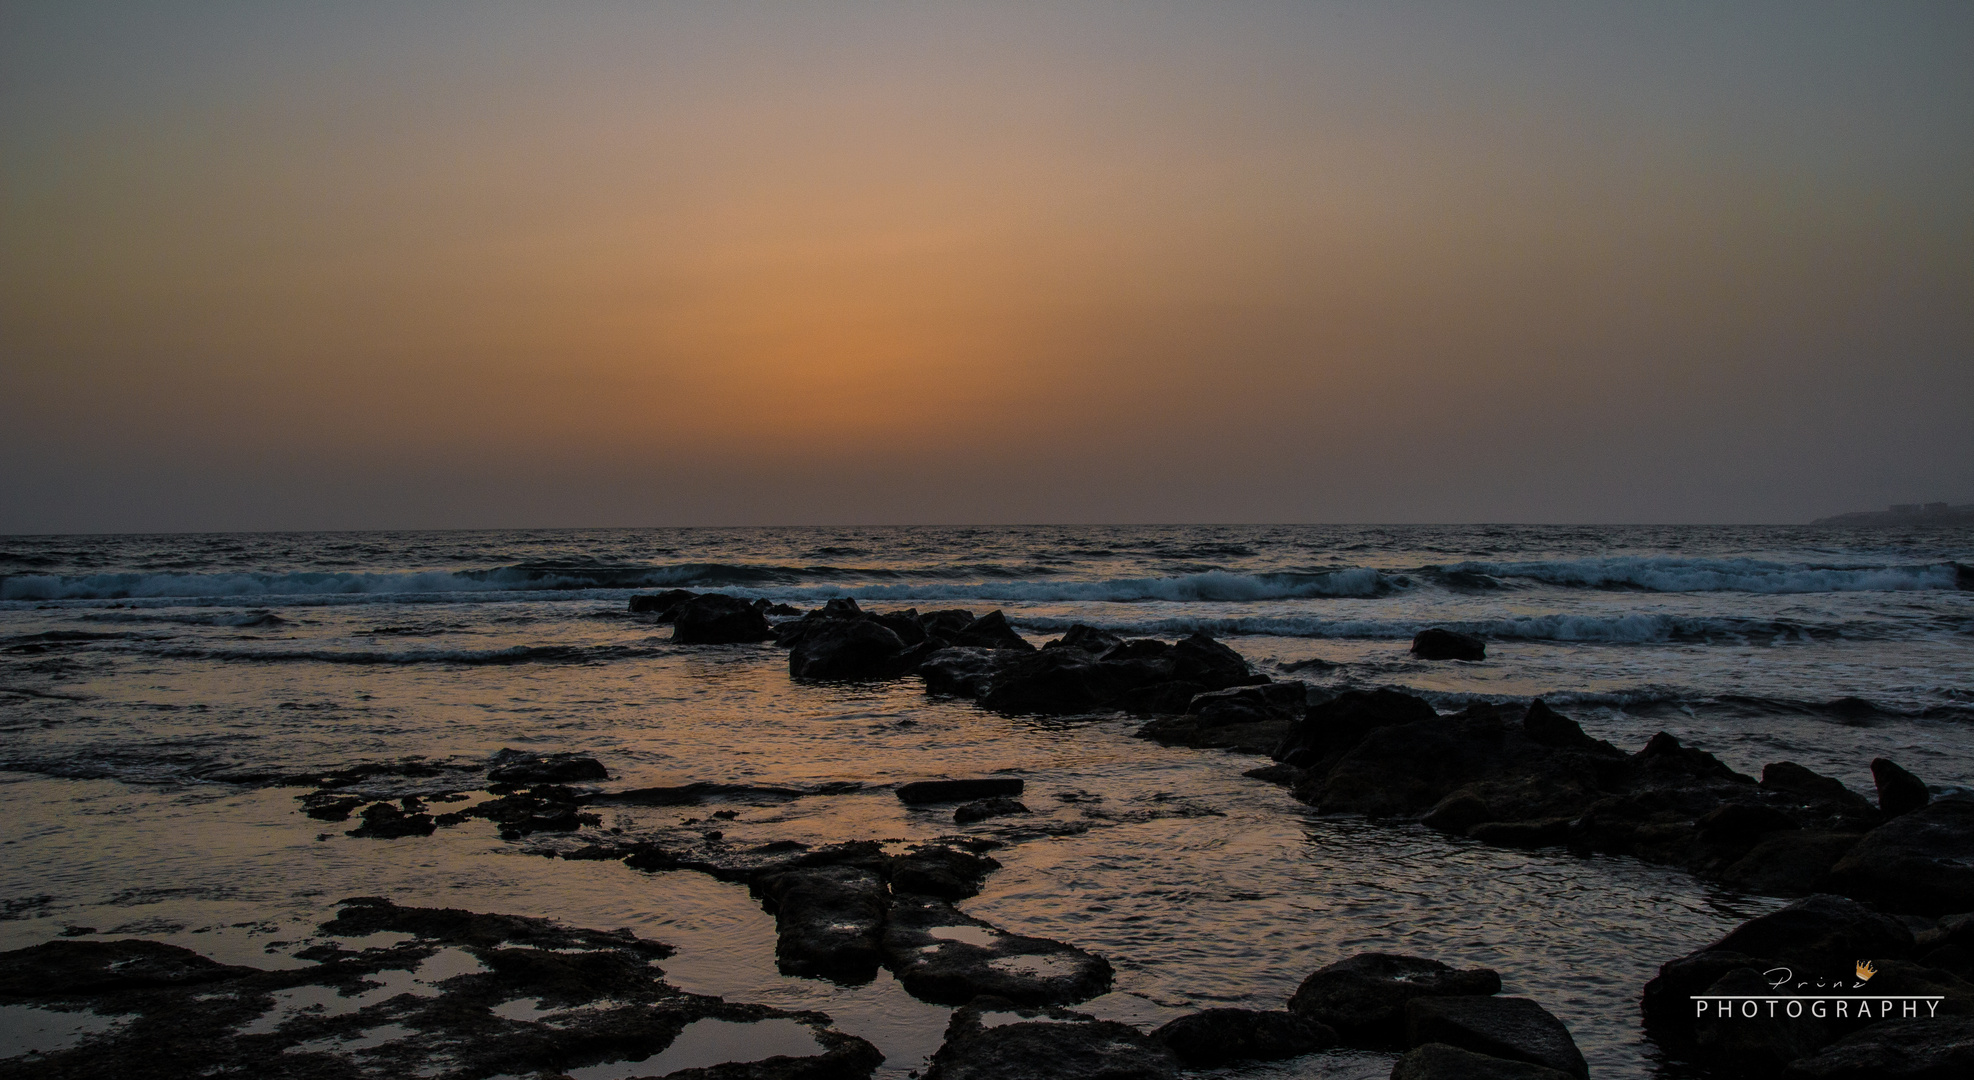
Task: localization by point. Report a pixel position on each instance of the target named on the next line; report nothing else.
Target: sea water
(154, 689)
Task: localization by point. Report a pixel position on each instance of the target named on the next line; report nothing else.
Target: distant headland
(1933, 513)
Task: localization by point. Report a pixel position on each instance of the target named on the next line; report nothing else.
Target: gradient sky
(269, 266)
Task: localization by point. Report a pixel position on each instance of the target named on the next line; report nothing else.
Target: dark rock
(1331, 728)
(1249, 719)
(1812, 789)
(181, 1015)
(1505, 1027)
(848, 649)
(383, 821)
(1438, 1061)
(60, 968)
(1667, 1002)
(700, 793)
(1920, 862)
(841, 609)
(1545, 725)
(1060, 681)
(963, 672)
(939, 870)
(1281, 703)
(921, 792)
(982, 809)
(948, 958)
(1171, 698)
(829, 921)
(663, 604)
(1542, 832)
(1363, 998)
(1215, 1037)
(1793, 863)
(1813, 942)
(1899, 792)
(1285, 775)
(542, 808)
(1727, 832)
(945, 625)
(1198, 658)
(992, 631)
(1087, 638)
(1085, 670)
(719, 619)
(1820, 929)
(509, 766)
(1458, 812)
(329, 806)
(1438, 644)
(1934, 1049)
(1664, 754)
(905, 624)
(1756, 1045)
(1051, 1045)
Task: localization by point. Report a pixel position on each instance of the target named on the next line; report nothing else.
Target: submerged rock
(983, 809)
(1363, 997)
(1051, 1045)
(946, 957)
(1440, 644)
(719, 619)
(1215, 1037)
(1504, 1027)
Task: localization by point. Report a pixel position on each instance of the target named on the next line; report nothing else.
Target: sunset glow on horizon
(280, 266)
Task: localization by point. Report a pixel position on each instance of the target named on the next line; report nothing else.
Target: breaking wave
(1617, 629)
(1708, 575)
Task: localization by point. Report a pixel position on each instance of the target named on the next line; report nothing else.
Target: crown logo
(1865, 971)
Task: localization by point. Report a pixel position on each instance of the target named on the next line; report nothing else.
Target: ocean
(157, 691)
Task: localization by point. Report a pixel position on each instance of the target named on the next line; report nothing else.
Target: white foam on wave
(1212, 585)
(1617, 629)
(1215, 585)
(1659, 574)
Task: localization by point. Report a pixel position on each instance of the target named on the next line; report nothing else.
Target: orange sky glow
(270, 266)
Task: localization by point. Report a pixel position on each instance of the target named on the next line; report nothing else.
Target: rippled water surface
(150, 687)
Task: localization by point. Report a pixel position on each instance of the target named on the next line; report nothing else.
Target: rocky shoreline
(1886, 880)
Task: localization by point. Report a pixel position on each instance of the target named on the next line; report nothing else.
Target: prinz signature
(1778, 977)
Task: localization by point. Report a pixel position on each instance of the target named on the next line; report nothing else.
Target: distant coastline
(1933, 513)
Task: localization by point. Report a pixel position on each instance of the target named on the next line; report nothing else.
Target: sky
(460, 265)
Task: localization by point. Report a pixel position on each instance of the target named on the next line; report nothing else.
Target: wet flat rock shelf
(466, 995)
